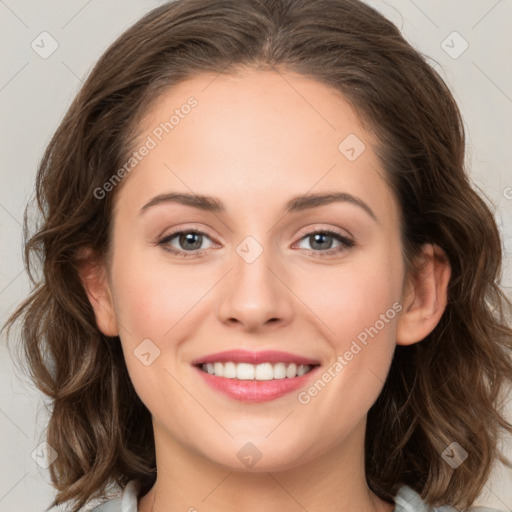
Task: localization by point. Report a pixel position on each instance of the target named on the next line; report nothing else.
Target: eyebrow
(295, 204)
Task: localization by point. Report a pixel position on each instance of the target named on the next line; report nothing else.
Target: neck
(334, 481)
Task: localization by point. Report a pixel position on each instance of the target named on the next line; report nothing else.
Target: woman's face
(261, 146)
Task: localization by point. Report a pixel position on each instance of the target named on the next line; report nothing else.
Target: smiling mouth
(259, 372)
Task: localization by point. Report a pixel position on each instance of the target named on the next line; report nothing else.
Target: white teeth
(263, 371)
(230, 371)
(279, 371)
(244, 371)
(291, 371)
(218, 369)
(301, 370)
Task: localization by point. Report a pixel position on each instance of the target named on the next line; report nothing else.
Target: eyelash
(346, 242)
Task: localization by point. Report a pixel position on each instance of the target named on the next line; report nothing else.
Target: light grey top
(406, 500)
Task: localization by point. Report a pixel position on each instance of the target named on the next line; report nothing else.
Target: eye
(189, 241)
(322, 241)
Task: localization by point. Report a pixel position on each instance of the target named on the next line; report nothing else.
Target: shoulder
(126, 502)
(408, 500)
(112, 505)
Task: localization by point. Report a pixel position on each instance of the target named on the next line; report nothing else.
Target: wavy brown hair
(447, 388)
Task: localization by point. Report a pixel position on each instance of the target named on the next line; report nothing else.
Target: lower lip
(256, 390)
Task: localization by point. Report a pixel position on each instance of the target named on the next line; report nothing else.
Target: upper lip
(247, 356)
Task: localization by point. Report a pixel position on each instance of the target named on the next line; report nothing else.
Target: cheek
(353, 297)
(357, 308)
(152, 296)
(153, 307)
(162, 303)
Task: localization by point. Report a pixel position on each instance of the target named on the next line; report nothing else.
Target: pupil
(188, 238)
(318, 237)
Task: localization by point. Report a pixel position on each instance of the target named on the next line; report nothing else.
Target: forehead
(266, 132)
(252, 100)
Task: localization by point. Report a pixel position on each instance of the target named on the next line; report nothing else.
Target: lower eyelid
(346, 243)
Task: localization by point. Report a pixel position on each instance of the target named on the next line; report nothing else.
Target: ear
(93, 275)
(425, 296)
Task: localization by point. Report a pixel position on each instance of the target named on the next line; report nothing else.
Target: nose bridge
(254, 293)
(252, 267)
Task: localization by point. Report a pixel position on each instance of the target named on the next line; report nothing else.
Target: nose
(255, 294)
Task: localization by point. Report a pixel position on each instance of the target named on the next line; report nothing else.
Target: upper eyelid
(317, 227)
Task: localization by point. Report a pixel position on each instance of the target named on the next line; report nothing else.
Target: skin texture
(253, 141)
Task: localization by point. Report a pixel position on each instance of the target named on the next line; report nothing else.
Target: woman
(254, 368)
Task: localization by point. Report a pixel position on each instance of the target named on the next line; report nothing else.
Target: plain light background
(469, 42)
